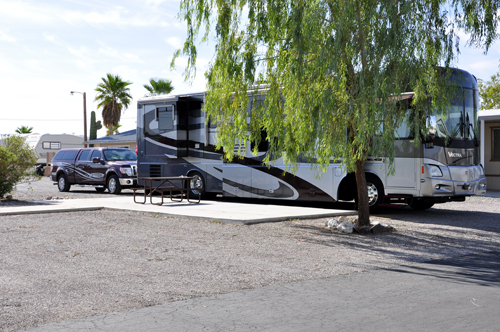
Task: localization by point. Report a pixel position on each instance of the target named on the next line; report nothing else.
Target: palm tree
(115, 130)
(113, 95)
(159, 86)
(24, 130)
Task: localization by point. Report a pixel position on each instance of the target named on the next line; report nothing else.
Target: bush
(17, 159)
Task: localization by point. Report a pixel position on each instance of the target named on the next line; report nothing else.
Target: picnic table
(167, 184)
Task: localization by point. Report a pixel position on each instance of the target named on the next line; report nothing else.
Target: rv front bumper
(444, 187)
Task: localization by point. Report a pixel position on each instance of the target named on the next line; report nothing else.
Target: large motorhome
(175, 139)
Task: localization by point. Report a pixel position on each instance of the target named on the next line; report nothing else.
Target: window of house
(495, 146)
(165, 117)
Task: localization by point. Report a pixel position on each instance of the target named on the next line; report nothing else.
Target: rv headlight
(435, 171)
(126, 170)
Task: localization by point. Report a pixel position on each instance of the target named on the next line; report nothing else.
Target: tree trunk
(363, 209)
(110, 130)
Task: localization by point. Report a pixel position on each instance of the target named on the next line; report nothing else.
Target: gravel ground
(61, 266)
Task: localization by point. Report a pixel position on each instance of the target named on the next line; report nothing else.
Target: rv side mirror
(431, 125)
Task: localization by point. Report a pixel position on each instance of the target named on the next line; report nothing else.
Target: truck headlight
(126, 170)
(435, 171)
(481, 170)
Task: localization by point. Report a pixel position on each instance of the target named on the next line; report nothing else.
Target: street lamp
(84, 115)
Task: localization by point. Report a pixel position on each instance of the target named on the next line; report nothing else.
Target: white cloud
(114, 16)
(5, 37)
(177, 43)
(24, 11)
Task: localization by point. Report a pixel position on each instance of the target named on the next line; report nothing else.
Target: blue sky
(49, 48)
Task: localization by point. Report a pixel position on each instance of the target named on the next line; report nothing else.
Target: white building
(490, 146)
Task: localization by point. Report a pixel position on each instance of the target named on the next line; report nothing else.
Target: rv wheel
(375, 192)
(197, 186)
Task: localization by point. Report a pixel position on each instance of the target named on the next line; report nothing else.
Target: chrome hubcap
(372, 193)
(112, 185)
(195, 184)
(62, 183)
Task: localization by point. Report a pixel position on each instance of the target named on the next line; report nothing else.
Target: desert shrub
(17, 159)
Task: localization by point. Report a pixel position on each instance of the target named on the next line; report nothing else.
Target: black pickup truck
(111, 168)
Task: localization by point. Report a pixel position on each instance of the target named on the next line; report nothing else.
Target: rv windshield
(460, 119)
(119, 155)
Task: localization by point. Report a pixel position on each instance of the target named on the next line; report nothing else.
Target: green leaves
(490, 92)
(17, 159)
(159, 86)
(24, 130)
(333, 71)
(113, 96)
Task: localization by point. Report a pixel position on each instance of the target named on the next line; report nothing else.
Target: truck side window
(96, 154)
(84, 156)
(69, 155)
(165, 117)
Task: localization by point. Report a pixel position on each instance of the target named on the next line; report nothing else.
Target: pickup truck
(105, 168)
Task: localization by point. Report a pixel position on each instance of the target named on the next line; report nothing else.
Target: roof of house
(491, 115)
(127, 136)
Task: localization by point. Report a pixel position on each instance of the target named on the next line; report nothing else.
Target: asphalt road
(459, 294)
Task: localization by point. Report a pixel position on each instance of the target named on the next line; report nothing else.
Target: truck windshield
(119, 155)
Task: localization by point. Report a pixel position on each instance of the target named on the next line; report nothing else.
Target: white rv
(51, 143)
(175, 139)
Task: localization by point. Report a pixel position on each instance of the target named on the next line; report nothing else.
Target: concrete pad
(228, 212)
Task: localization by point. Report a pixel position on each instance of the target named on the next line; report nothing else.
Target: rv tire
(196, 185)
(375, 192)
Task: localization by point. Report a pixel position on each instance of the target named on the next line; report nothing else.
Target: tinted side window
(96, 154)
(165, 117)
(69, 155)
(58, 156)
(84, 156)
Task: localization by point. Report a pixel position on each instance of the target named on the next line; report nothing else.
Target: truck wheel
(197, 185)
(62, 183)
(39, 170)
(114, 186)
(375, 192)
(420, 204)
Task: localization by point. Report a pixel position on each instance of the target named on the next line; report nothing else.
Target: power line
(51, 120)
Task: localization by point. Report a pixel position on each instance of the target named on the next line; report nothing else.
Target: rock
(332, 223)
(362, 229)
(346, 227)
(381, 228)
(8, 197)
(48, 198)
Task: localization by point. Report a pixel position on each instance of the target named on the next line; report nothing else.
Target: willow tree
(333, 71)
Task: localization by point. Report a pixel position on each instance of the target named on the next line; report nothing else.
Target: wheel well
(347, 190)
(109, 175)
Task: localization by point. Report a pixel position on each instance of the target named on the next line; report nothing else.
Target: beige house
(490, 146)
(126, 139)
